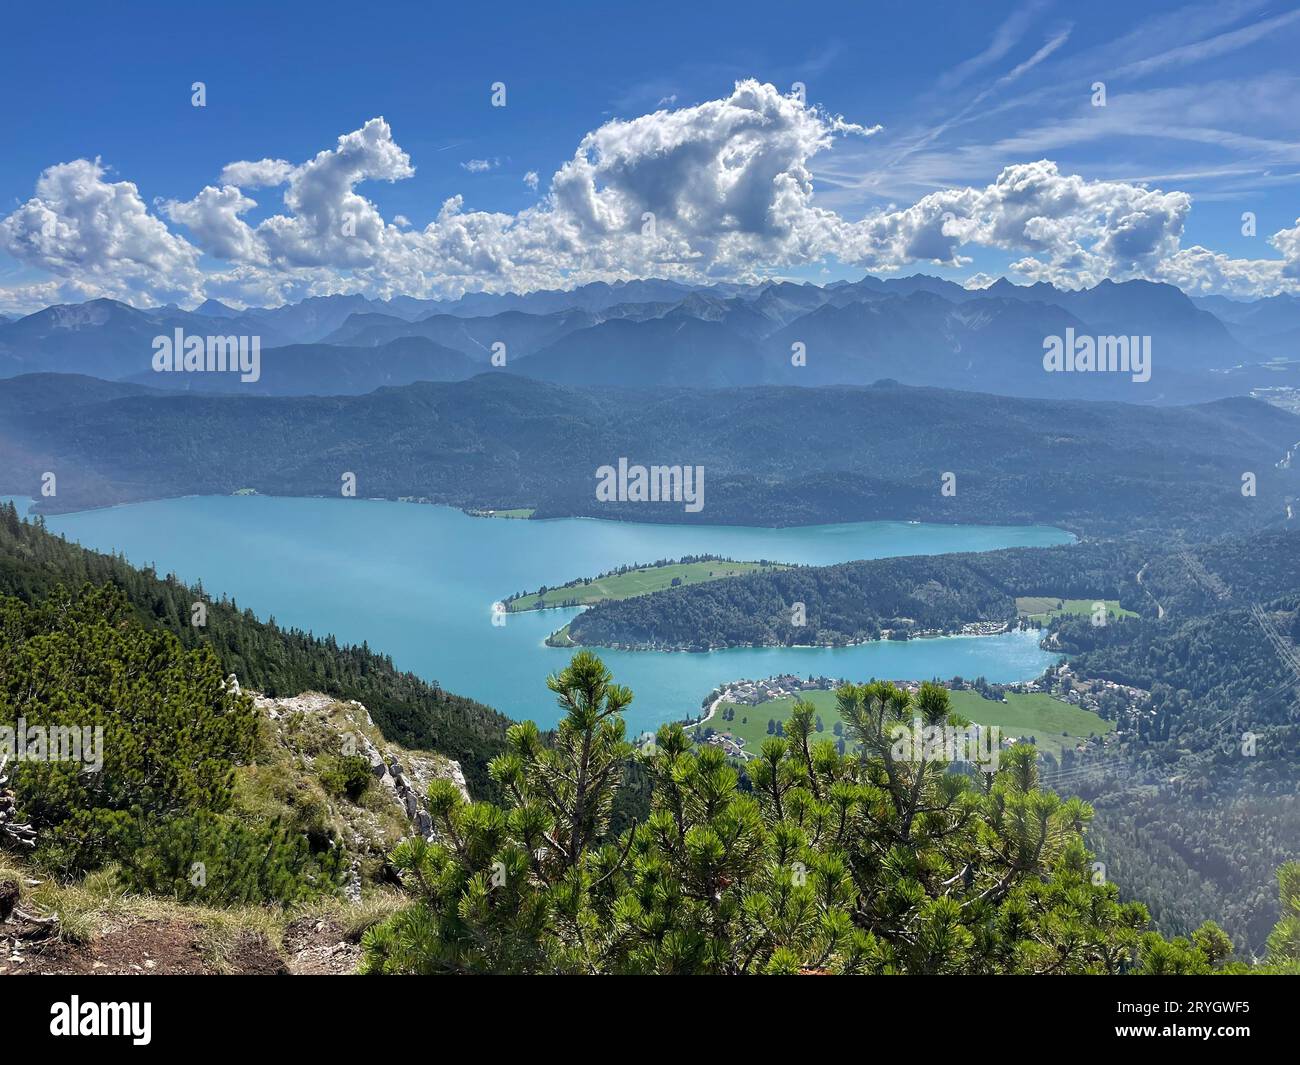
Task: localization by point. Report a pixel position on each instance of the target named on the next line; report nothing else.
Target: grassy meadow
(641, 581)
(1052, 723)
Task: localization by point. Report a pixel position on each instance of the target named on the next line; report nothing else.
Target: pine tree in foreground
(815, 861)
(167, 731)
(1284, 940)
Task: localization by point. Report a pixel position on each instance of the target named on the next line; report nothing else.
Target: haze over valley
(713, 492)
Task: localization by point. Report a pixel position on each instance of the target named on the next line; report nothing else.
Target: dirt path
(1160, 610)
(140, 948)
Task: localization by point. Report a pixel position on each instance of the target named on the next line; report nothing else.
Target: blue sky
(1200, 101)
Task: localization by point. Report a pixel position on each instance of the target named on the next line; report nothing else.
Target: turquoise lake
(418, 582)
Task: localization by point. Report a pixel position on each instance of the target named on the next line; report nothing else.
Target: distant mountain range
(1270, 326)
(771, 455)
(330, 370)
(105, 338)
(918, 330)
(521, 332)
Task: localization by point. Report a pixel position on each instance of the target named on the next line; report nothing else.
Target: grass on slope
(1052, 723)
(96, 906)
(1045, 608)
(634, 582)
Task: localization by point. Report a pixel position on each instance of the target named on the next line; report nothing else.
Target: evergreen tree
(1284, 941)
(863, 863)
(165, 726)
(160, 732)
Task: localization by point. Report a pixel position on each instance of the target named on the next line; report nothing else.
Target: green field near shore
(641, 581)
(1045, 607)
(1052, 723)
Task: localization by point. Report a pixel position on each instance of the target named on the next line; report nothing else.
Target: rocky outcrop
(310, 726)
(403, 773)
(15, 833)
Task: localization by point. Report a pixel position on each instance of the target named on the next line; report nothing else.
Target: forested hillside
(771, 456)
(150, 782)
(1232, 571)
(1198, 805)
(33, 563)
(856, 600)
(1201, 805)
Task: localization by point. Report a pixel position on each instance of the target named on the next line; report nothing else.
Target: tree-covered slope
(856, 600)
(260, 653)
(1197, 804)
(771, 456)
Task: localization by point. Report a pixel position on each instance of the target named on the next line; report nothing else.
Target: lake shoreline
(419, 583)
(476, 510)
(969, 630)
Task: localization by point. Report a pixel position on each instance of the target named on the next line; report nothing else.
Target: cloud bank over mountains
(718, 190)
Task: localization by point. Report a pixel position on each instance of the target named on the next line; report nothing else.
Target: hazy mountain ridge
(328, 369)
(1270, 325)
(521, 332)
(105, 338)
(920, 330)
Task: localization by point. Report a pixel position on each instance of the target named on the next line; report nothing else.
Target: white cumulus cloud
(255, 175)
(100, 236)
(213, 218)
(720, 189)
